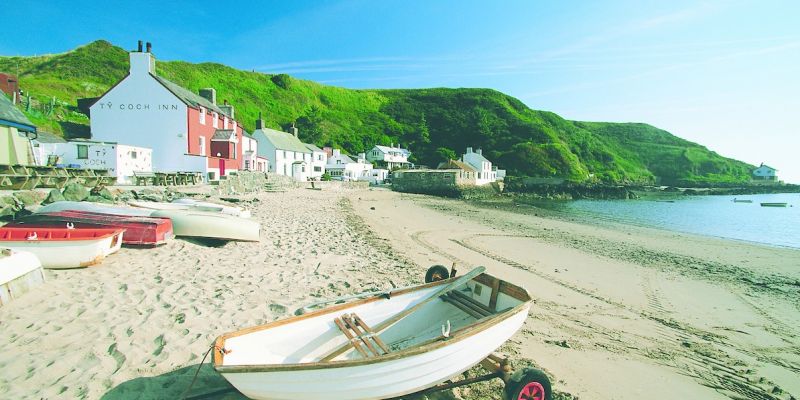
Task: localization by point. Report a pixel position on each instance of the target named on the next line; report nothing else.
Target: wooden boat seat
(364, 339)
(467, 304)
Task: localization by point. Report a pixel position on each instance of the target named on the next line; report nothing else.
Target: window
(317, 169)
(246, 164)
(83, 152)
(202, 145)
(133, 155)
(235, 125)
(215, 119)
(202, 115)
(234, 151)
(225, 123)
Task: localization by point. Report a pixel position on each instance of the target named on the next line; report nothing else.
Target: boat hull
(20, 271)
(380, 380)
(65, 253)
(193, 205)
(139, 231)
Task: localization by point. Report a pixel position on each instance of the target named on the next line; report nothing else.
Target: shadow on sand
(171, 386)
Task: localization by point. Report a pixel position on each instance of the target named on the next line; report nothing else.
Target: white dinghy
(60, 248)
(379, 347)
(193, 205)
(20, 272)
(184, 222)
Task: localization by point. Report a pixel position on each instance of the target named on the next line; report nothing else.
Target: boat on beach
(184, 222)
(60, 248)
(20, 271)
(187, 204)
(774, 204)
(381, 346)
(139, 231)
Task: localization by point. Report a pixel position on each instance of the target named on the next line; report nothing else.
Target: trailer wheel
(528, 384)
(436, 273)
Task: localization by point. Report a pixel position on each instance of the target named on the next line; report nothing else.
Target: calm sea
(716, 216)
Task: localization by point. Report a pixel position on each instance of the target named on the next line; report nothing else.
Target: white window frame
(202, 115)
(215, 117)
(202, 145)
(235, 125)
(225, 122)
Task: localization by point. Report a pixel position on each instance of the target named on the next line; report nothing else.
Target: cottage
(15, 133)
(342, 167)
(120, 160)
(287, 155)
(319, 158)
(389, 157)
(764, 173)
(484, 174)
(187, 131)
(250, 158)
(468, 173)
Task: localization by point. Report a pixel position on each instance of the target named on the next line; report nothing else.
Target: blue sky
(723, 74)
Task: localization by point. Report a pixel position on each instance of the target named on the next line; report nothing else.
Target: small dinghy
(378, 347)
(193, 205)
(774, 204)
(139, 231)
(59, 248)
(184, 222)
(20, 271)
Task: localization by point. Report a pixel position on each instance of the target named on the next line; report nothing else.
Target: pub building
(188, 132)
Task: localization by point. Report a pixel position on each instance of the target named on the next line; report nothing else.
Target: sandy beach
(620, 312)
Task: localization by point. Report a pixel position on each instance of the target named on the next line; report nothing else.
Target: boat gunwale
(111, 232)
(465, 332)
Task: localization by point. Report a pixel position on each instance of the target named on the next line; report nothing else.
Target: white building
(319, 158)
(389, 157)
(286, 154)
(342, 167)
(252, 161)
(764, 173)
(484, 174)
(377, 176)
(120, 160)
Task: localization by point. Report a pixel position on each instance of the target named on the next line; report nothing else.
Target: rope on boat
(183, 395)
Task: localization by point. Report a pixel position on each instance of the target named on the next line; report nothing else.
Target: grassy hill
(433, 123)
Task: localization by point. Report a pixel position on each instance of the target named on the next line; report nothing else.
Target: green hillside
(433, 123)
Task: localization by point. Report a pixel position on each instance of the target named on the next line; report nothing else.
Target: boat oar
(397, 317)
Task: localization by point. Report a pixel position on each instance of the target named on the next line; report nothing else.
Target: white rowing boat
(59, 248)
(20, 271)
(184, 222)
(209, 206)
(378, 347)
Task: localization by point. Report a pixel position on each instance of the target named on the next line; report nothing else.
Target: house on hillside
(187, 131)
(9, 84)
(286, 154)
(16, 132)
(484, 174)
(319, 158)
(389, 157)
(764, 173)
(342, 167)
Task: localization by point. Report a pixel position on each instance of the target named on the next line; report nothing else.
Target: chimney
(479, 151)
(336, 152)
(209, 94)
(293, 130)
(149, 47)
(469, 150)
(142, 63)
(259, 121)
(362, 158)
(227, 108)
(391, 144)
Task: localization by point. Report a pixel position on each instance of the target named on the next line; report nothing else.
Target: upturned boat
(193, 205)
(20, 271)
(59, 248)
(139, 231)
(184, 222)
(379, 347)
(774, 204)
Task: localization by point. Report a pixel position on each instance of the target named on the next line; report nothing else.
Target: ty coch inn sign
(138, 106)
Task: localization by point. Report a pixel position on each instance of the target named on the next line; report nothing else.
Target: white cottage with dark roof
(389, 157)
(765, 173)
(484, 173)
(287, 155)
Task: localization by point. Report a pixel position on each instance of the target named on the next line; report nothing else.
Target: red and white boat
(60, 248)
(139, 231)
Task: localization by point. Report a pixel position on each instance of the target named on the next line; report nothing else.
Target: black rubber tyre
(528, 384)
(436, 273)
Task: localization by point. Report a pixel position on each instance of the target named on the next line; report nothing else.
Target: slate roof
(224, 135)
(188, 97)
(479, 157)
(282, 140)
(46, 137)
(387, 149)
(456, 164)
(10, 115)
(765, 165)
(313, 148)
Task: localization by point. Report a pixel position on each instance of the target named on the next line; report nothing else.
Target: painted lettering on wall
(137, 106)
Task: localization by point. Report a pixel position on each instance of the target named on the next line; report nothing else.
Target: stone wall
(447, 183)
